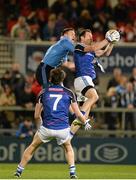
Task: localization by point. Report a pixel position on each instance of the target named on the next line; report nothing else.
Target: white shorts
(47, 135)
(80, 83)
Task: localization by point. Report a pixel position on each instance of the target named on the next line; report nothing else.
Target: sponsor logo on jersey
(56, 89)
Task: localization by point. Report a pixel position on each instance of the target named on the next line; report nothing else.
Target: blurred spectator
(121, 90)
(121, 12)
(4, 122)
(7, 97)
(72, 13)
(34, 60)
(42, 18)
(17, 80)
(108, 9)
(6, 78)
(129, 102)
(134, 25)
(40, 5)
(97, 35)
(29, 78)
(35, 33)
(133, 78)
(32, 82)
(58, 6)
(111, 100)
(25, 128)
(36, 88)
(25, 8)
(129, 31)
(115, 80)
(85, 20)
(105, 14)
(111, 25)
(87, 5)
(29, 98)
(99, 5)
(49, 29)
(31, 18)
(130, 95)
(61, 23)
(12, 9)
(17, 76)
(1, 89)
(21, 30)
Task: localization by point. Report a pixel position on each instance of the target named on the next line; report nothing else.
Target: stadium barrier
(99, 110)
(87, 150)
(6, 54)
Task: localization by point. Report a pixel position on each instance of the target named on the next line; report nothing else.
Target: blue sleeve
(72, 96)
(67, 45)
(39, 97)
(65, 58)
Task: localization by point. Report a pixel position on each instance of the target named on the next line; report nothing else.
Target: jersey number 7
(57, 99)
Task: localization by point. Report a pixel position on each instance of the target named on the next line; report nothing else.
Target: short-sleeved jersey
(57, 53)
(84, 65)
(56, 100)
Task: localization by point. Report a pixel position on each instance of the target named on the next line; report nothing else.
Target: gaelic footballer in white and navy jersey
(84, 62)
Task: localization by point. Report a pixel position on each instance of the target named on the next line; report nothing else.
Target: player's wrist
(107, 40)
(86, 121)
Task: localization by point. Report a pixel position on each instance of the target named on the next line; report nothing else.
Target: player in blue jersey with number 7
(51, 114)
(57, 54)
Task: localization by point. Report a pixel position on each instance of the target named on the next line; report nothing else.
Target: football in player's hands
(112, 36)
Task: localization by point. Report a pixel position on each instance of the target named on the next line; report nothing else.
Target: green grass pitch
(60, 171)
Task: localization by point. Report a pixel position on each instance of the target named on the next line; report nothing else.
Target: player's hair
(82, 33)
(57, 76)
(66, 30)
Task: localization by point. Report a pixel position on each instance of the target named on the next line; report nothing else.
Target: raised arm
(106, 51)
(109, 50)
(77, 112)
(96, 46)
(80, 116)
(37, 113)
(74, 108)
(111, 36)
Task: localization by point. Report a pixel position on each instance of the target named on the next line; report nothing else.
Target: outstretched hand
(112, 36)
(87, 125)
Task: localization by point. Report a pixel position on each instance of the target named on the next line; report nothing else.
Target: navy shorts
(43, 73)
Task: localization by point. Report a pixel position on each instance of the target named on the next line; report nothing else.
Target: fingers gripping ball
(112, 36)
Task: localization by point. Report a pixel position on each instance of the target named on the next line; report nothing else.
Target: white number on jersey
(58, 98)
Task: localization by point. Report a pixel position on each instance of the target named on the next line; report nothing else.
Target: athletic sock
(72, 169)
(83, 112)
(71, 135)
(19, 169)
